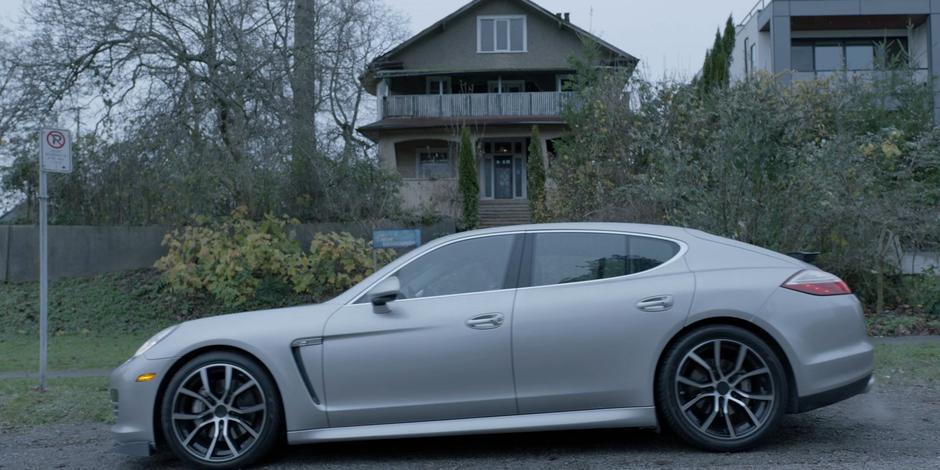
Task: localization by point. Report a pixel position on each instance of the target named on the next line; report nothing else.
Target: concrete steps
(500, 213)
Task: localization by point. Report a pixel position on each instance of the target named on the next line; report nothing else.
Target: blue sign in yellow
(396, 238)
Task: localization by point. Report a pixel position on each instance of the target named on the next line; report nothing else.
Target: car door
(443, 351)
(589, 316)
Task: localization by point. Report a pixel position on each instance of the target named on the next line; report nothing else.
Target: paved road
(894, 427)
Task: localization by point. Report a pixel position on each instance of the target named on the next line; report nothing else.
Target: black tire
(746, 421)
(250, 432)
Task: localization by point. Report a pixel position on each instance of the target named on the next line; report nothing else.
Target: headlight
(154, 340)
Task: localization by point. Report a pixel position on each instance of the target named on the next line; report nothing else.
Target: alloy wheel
(725, 389)
(218, 412)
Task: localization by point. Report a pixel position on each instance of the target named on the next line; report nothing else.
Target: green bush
(337, 261)
(847, 167)
(230, 260)
(239, 260)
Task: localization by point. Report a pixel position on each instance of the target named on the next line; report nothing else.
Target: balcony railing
(919, 75)
(548, 103)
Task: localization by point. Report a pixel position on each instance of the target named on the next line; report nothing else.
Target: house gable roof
(385, 61)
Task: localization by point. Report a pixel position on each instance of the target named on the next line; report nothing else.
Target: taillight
(815, 282)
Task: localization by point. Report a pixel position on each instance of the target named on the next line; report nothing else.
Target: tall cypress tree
(536, 178)
(468, 182)
(715, 70)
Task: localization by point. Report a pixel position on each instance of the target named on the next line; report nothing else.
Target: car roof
(658, 230)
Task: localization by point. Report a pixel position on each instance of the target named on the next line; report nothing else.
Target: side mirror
(385, 292)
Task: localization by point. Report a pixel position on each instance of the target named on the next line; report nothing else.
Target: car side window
(475, 265)
(647, 253)
(562, 258)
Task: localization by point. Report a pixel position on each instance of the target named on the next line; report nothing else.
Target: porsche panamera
(514, 329)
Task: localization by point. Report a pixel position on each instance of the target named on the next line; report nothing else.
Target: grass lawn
(66, 401)
(908, 363)
(114, 304)
(21, 353)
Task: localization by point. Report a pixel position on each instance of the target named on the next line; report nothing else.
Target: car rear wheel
(221, 410)
(722, 388)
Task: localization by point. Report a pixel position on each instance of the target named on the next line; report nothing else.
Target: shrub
(230, 260)
(237, 260)
(337, 261)
(847, 167)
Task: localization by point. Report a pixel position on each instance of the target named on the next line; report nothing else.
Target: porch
(429, 170)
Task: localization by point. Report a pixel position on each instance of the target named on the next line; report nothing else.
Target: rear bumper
(826, 345)
(835, 395)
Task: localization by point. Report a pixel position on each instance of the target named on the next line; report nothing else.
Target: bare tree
(365, 29)
(217, 99)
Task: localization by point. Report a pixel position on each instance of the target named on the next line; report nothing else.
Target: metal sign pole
(43, 278)
(55, 155)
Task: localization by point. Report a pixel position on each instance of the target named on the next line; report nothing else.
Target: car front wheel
(722, 388)
(221, 410)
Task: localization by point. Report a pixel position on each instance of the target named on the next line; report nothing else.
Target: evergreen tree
(536, 178)
(468, 184)
(715, 71)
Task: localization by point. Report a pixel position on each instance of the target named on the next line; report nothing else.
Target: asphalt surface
(896, 427)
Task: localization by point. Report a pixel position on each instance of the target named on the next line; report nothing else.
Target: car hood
(252, 331)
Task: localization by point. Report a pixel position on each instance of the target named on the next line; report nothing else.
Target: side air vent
(299, 360)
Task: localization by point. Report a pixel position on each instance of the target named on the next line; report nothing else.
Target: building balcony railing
(917, 75)
(548, 103)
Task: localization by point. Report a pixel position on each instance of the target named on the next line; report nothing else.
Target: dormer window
(501, 34)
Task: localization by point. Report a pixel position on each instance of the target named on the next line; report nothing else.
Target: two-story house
(809, 39)
(497, 67)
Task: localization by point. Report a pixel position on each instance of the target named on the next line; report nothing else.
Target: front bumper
(134, 405)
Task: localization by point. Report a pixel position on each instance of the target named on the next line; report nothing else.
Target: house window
(505, 86)
(826, 55)
(438, 86)
(501, 34)
(829, 57)
(860, 56)
(434, 163)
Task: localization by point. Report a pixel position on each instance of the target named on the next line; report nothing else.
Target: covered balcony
(475, 94)
(545, 103)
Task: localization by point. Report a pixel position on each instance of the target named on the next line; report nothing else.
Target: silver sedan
(529, 328)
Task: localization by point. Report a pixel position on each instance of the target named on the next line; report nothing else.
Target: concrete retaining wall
(76, 251)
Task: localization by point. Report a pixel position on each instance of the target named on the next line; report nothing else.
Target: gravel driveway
(892, 427)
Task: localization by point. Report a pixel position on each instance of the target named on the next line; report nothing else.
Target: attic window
(500, 34)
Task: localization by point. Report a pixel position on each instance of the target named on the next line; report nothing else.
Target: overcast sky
(669, 36)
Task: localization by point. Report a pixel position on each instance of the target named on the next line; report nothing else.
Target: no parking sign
(55, 151)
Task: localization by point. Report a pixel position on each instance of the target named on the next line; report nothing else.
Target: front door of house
(502, 175)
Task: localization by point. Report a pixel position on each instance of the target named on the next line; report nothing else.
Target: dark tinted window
(647, 253)
(561, 258)
(475, 265)
(801, 58)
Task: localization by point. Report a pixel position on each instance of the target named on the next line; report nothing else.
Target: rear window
(562, 258)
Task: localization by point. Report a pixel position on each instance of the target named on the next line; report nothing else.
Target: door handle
(486, 321)
(659, 303)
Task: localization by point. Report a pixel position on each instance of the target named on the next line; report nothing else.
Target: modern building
(809, 39)
(497, 67)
